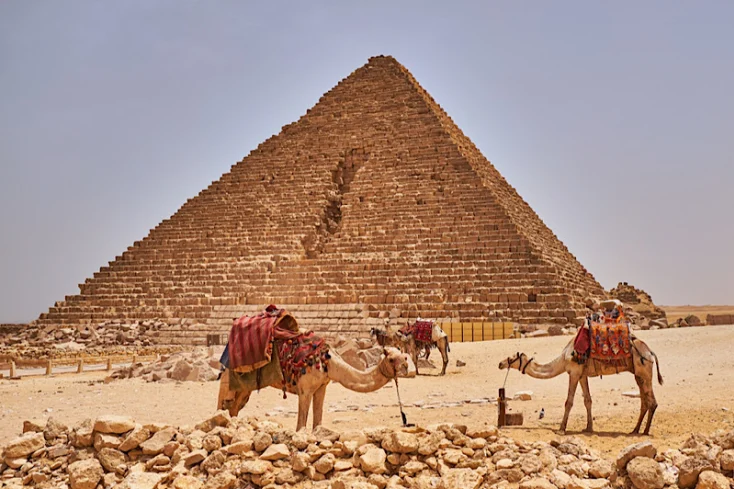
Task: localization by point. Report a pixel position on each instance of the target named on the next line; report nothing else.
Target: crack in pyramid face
(373, 207)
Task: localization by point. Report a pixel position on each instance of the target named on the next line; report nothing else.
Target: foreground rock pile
(224, 453)
(198, 365)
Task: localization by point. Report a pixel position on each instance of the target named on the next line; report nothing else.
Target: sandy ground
(697, 364)
(675, 312)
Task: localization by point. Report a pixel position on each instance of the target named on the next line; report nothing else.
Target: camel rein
(522, 369)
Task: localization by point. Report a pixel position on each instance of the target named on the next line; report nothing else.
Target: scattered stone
(643, 449)
(689, 470)
(276, 452)
(24, 445)
(709, 479)
(113, 424)
(85, 474)
(645, 473)
(523, 396)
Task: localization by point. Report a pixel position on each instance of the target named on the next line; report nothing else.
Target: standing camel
(311, 387)
(640, 366)
(412, 346)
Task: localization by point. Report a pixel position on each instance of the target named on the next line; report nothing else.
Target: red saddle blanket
(251, 338)
(422, 331)
(610, 342)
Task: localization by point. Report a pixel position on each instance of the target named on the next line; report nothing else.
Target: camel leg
(643, 404)
(652, 403)
(318, 405)
(240, 401)
(573, 382)
(443, 348)
(304, 402)
(587, 404)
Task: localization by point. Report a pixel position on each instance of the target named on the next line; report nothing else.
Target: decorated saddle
(268, 349)
(610, 342)
(250, 344)
(422, 331)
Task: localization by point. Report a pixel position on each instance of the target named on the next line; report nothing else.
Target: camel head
(396, 363)
(519, 361)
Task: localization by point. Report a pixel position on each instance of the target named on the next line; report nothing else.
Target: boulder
(373, 461)
(643, 449)
(54, 428)
(154, 445)
(34, 426)
(223, 480)
(137, 436)
(325, 464)
(255, 467)
(689, 470)
(111, 459)
(537, 483)
(645, 473)
(187, 482)
(113, 424)
(464, 479)
(727, 460)
(709, 479)
(400, 442)
(140, 480)
(276, 452)
(85, 474)
(24, 445)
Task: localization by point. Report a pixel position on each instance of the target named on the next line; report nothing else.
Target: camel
(413, 347)
(640, 367)
(311, 387)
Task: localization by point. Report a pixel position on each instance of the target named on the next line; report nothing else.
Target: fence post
(109, 364)
(48, 367)
(135, 359)
(80, 367)
(12, 369)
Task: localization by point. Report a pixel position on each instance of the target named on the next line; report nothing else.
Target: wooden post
(109, 364)
(12, 369)
(48, 367)
(502, 406)
(135, 359)
(80, 366)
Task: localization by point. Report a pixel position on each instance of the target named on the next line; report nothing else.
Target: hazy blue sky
(614, 120)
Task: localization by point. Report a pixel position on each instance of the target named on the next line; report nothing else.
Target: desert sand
(696, 363)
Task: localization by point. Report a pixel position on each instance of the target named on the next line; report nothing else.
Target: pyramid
(373, 207)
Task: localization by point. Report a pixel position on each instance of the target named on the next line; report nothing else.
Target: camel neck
(356, 380)
(547, 370)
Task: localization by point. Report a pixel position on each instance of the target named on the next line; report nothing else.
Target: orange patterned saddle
(610, 342)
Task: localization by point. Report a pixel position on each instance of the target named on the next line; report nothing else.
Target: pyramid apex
(382, 58)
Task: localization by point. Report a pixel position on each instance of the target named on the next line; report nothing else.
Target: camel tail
(657, 366)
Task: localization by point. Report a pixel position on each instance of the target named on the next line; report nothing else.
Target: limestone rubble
(226, 453)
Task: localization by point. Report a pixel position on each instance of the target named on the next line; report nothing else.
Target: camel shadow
(602, 434)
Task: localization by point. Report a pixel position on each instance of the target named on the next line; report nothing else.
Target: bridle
(518, 358)
(382, 368)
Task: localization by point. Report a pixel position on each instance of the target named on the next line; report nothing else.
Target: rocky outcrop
(198, 365)
(638, 300)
